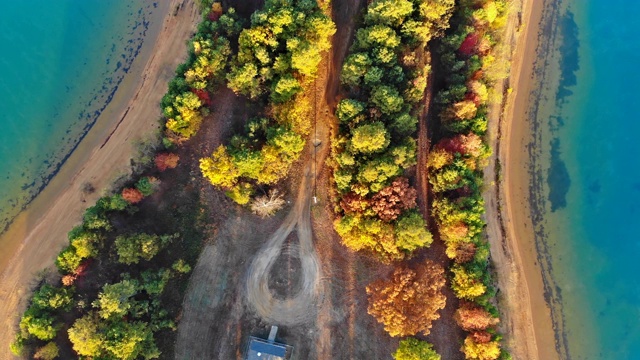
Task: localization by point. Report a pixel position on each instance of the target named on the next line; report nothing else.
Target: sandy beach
(526, 317)
(40, 232)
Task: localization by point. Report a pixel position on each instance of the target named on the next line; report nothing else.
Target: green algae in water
(61, 63)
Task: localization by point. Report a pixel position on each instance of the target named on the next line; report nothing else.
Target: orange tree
(409, 302)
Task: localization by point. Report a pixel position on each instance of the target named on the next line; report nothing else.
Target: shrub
(147, 185)
(181, 266)
(414, 349)
(47, 352)
(17, 346)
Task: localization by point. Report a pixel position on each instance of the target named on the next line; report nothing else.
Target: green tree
(181, 266)
(369, 138)
(388, 12)
(146, 185)
(387, 99)
(115, 299)
(49, 297)
(131, 340)
(95, 218)
(85, 336)
(404, 123)
(40, 324)
(240, 193)
(355, 67)
(411, 232)
(154, 282)
(68, 260)
(244, 80)
(348, 109)
(377, 173)
(132, 248)
(248, 163)
(377, 36)
(414, 349)
(284, 89)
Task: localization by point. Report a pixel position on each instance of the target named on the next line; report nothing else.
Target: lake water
(589, 193)
(61, 62)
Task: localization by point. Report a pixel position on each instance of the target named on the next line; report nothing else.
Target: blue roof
(263, 350)
(271, 349)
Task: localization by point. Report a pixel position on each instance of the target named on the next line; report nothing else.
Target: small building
(260, 349)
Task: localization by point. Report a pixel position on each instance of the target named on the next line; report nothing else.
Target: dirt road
(256, 272)
(302, 307)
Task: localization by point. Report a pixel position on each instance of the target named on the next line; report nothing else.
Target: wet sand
(33, 240)
(526, 316)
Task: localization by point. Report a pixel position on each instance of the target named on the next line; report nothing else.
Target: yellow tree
(466, 285)
(474, 350)
(219, 169)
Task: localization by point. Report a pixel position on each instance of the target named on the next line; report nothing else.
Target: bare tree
(268, 205)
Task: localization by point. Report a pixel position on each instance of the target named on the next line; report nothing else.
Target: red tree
(471, 317)
(166, 161)
(481, 337)
(469, 44)
(132, 195)
(203, 95)
(354, 203)
(392, 200)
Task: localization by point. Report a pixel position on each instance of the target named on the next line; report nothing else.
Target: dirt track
(302, 307)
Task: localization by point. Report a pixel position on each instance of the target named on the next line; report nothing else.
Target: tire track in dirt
(303, 306)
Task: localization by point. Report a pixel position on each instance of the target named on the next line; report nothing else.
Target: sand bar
(39, 233)
(526, 317)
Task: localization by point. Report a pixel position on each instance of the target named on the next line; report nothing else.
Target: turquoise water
(60, 63)
(591, 186)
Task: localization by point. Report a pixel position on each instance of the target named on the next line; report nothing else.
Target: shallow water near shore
(61, 64)
(589, 179)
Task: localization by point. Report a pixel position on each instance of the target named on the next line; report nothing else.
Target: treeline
(277, 57)
(112, 298)
(189, 97)
(471, 67)
(102, 318)
(385, 76)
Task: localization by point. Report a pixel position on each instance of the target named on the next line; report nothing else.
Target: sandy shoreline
(37, 235)
(526, 316)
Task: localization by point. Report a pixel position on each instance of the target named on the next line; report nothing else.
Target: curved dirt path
(303, 306)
